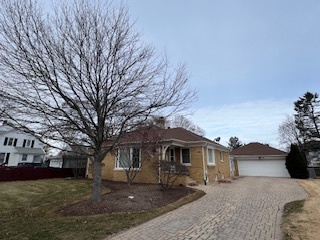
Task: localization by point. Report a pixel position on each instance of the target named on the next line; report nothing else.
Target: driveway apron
(248, 208)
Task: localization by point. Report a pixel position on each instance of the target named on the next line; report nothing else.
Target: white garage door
(271, 168)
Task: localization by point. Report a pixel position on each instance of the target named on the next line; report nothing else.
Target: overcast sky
(249, 60)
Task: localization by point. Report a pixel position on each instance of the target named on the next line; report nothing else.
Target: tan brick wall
(196, 168)
(147, 173)
(219, 168)
(223, 166)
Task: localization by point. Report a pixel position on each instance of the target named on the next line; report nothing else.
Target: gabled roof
(155, 133)
(4, 129)
(257, 149)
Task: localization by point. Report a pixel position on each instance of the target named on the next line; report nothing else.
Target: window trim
(24, 160)
(213, 157)
(181, 157)
(117, 162)
(10, 142)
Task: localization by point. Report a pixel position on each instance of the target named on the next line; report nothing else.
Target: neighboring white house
(19, 147)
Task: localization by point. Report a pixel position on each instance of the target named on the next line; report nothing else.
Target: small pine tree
(296, 163)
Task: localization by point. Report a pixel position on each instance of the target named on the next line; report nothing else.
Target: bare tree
(182, 121)
(81, 75)
(289, 133)
(168, 172)
(137, 147)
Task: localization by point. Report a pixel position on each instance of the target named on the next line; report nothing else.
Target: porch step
(191, 182)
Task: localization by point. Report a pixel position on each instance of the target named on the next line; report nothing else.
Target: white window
(24, 157)
(10, 142)
(221, 156)
(128, 158)
(185, 156)
(211, 161)
(28, 143)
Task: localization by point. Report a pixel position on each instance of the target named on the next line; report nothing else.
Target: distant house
(257, 159)
(313, 154)
(206, 160)
(19, 148)
(70, 158)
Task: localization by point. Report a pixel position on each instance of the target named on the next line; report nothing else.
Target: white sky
(248, 59)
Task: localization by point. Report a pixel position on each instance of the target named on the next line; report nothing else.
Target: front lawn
(29, 210)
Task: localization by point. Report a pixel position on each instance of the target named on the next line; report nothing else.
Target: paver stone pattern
(246, 209)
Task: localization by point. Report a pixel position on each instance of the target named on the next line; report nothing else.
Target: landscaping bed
(123, 198)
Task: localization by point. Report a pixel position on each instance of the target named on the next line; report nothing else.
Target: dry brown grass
(301, 218)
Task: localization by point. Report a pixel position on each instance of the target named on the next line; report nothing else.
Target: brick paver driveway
(248, 208)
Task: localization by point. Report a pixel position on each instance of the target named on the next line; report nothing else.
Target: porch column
(164, 150)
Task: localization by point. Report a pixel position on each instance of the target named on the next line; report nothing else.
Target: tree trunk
(96, 190)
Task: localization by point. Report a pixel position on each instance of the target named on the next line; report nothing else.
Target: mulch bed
(145, 197)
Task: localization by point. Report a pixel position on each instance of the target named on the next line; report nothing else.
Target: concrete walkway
(248, 208)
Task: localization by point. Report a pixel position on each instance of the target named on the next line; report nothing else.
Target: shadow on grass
(289, 209)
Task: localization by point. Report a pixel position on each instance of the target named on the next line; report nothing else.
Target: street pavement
(248, 208)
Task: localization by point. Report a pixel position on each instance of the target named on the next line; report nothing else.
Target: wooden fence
(22, 174)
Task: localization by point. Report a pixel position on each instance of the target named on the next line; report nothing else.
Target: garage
(268, 168)
(256, 159)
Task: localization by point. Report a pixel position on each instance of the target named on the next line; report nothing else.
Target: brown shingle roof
(154, 133)
(256, 148)
(182, 135)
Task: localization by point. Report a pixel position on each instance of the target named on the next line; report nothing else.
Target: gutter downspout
(204, 168)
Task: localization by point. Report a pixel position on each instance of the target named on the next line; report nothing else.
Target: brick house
(206, 160)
